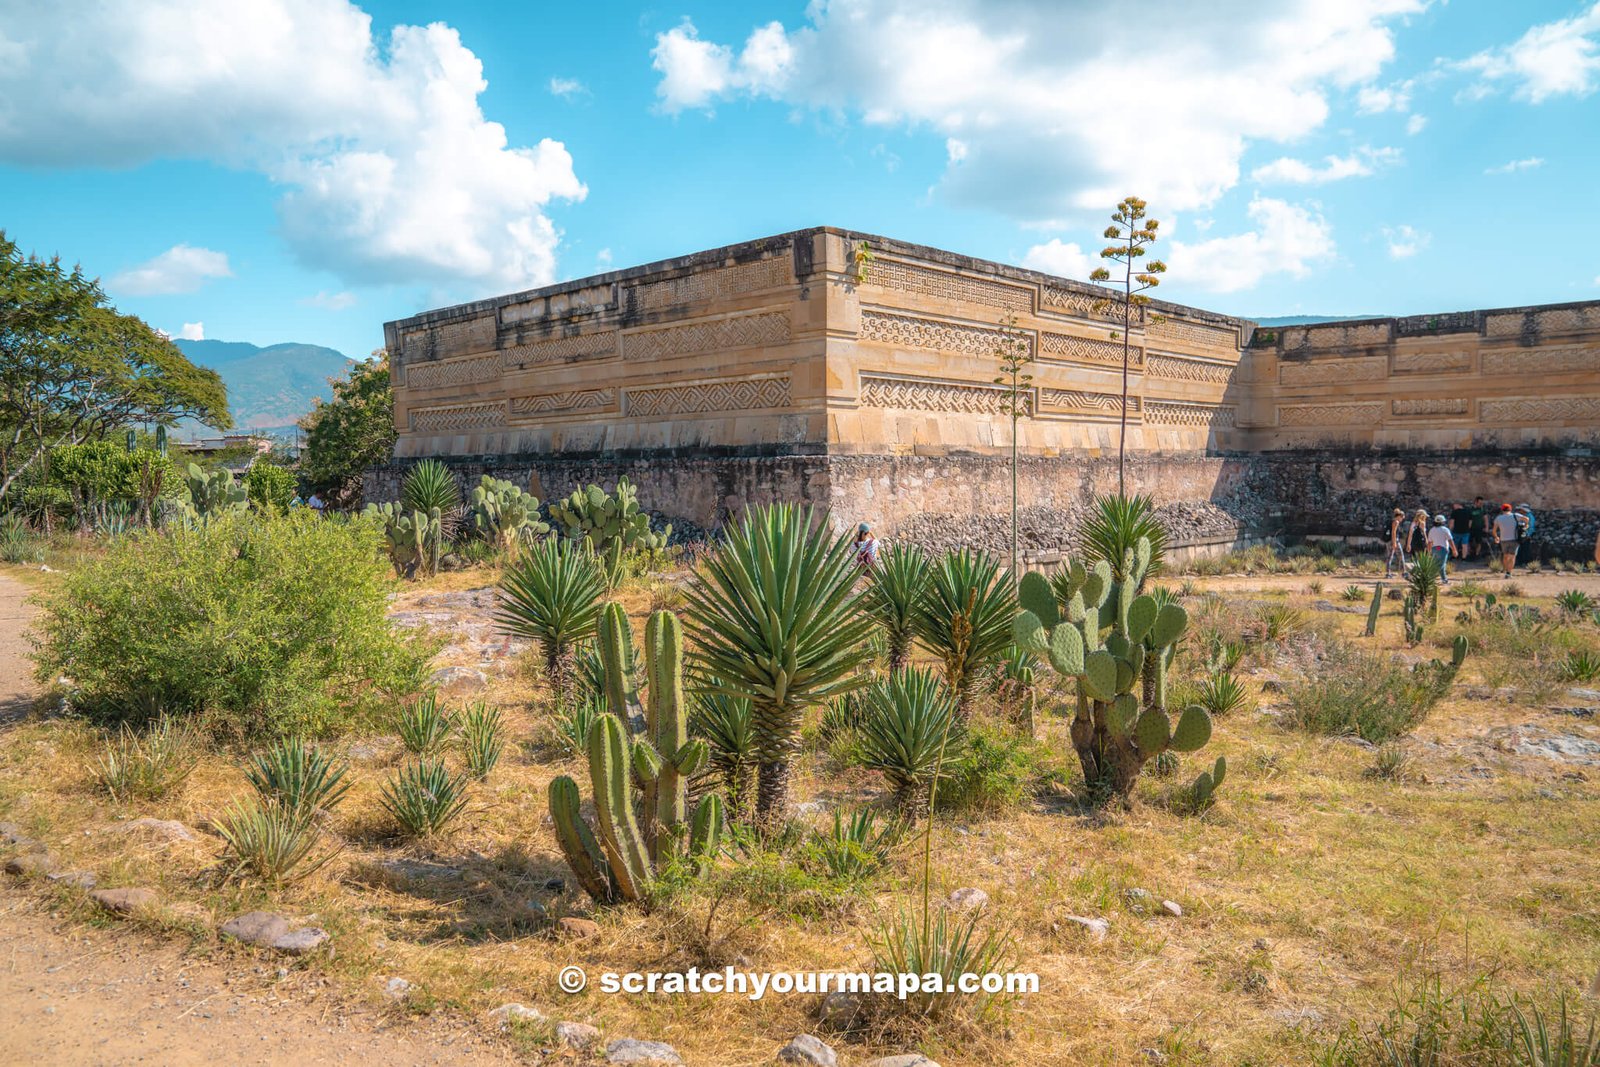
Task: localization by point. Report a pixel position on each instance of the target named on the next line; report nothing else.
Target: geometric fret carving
(435, 374)
(570, 349)
(457, 417)
(892, 274)
(1541, 361)
(1176, 413)
(1086, 350)
(1334, 371)
(576, 400)
(933, 334)
(705, 285)
(1329, 414)
(1087, 405)
(1553, 320)
(1180, 368)
(1084, 305)
(1564, 409)
(743, 331)
(1196, 334)
(451, 338)
(1432, 362)
(937, 394)
(1431, 406)
(692, 399)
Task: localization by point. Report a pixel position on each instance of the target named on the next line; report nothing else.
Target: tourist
(866, 547)
(1417, 534)
(315, 503)
(1443, 545)
(1397, 545)
(1461, 529)
(1525, 524)
(1505, 535)
(1480, 527)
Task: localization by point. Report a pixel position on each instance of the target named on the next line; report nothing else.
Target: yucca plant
(551, 594)
(150, 765)
(424, 725)
(1279, 621)
(726, 726)
(298, 777)
(424, 798)
(572, 725)
(481, 737)
(1114, 527)
(1221, 693)
(1579, 666)
(894, 589)
(1574, 602)
(964, 618)
(1353, 592)
(17, 541)
(270, 839)
(911, 728)
(857, 847)
(778, 622)
(947, 946)
(1426, 580)
(1553, 1041)
(427, 486)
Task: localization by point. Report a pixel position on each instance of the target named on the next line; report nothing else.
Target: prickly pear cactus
(1094, 630)
(503, 515)
(412, 538)
(215, 493)
(599, 518)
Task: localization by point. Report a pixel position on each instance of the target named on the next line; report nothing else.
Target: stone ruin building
(790, 368)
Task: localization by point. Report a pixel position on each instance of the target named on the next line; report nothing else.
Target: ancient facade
(796, 367)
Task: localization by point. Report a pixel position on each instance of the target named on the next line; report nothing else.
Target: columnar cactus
(1097, 631)
(503, 514)
(599, 518)
(640, 783)
(1373, 609)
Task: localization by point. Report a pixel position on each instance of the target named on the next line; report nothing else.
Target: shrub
(269, 486)
(894, 589)
(964, 618)
(271, 840)
(149, 765)
(997, 772)
(946, 946)
(856, 848)
(481, 738)
(274, 625)
(424, 798)
(1365, 696)
(300, 778)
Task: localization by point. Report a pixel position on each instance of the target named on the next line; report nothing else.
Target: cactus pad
(1100, 675)
(1066, 650)
(1152, 733)
(1193, 729)
(1035, 595)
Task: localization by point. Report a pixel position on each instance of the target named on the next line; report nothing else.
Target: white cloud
(1560, 58)
(567, 87)
(180, 269)
(1531, 163)
(603, 257)
(1065, 260)
(193, 331)
(390, 171)
(331, 301)
(1359, 164)
(1022, 87)
(1288, 239)
(1405, 241)
(1416, 124)
(1374, 100)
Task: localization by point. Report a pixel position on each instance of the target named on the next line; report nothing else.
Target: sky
(304, 170)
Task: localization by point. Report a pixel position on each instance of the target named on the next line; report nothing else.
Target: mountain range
(271, 388)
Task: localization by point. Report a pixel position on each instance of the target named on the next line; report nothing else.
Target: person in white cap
(866, 547)
(1443, 546)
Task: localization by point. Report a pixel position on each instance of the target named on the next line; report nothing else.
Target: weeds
(1356, 694)
(149, 765)
(946, 946)
(481, 737)
(1389, 763)
(856, 848)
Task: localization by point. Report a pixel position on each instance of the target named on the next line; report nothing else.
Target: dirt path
(80, 996)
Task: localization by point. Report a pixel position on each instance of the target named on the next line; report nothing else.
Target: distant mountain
(1306, 320)
(269, 389)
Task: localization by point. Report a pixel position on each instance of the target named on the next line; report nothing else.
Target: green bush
(1356, 694)
(997, 772)
(269, 625)
(269, 486)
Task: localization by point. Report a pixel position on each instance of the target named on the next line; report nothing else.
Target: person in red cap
(1505, 535)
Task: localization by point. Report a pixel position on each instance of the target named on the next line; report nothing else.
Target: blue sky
(303, 170)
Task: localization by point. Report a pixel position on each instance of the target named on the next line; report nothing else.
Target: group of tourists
(1470, 531)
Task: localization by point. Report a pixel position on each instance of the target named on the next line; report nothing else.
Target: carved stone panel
(1177, 413)
(1540, 360)
(693, 398)
(706, 285)
(457, 418)
(583, 346)
(1196, 333)
(435, 374)
(1329, 414)
(925, 281)
(1557, 409)
(1087, 405)
(1431, 406)
(741, 331)
(1432, 362)
(1334, 371)
(935, 394)
(563, 403)
(1073, 349)
(1085, 305)
(936, 335)
(1184, 369)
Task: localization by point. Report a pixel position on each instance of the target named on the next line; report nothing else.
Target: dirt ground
(81, 996)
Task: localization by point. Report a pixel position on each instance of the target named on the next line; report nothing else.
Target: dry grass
(1306, 889)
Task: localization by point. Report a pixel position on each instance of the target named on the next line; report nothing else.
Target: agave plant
(945, 945)
(427, 486)
(424, 798)
(298, 776)
(424, 725)
(778, 622)
(857, 847)
(481, 737)
(725, 724)
(148, 765)
(552, 595)
(911, 730)
(270, 839)
(1222, 694)
(964, 618)
(1574, 602)
(572, 725)
(896, 586)
(1114, 528)
(1425, 579)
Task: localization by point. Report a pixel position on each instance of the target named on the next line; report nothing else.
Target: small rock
(266, 930)
(77, 879)
(555, 885)
(808, 1050)
(578, 928)
(1154, 1055)
(968, 898)
(469, 678)
(1096, 928)
(576, 1035)
(506, 1013)
(1141, 901)
(125, 900)
(31, 864)
(11, 834)
(909, 1059)
(840, 1011)
(628, 1050)
(1172, 908)
(299, 942)
(1358, 742)
(397, 989)
(166, 829)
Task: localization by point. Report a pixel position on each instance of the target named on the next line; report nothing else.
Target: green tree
(352, 432)
(73, 369)
(1134, 234)
(1014, 352)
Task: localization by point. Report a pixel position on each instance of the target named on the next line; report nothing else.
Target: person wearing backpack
(1461, 529)
(1395, 544)
(1417, 534)
(1505, 535)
